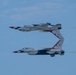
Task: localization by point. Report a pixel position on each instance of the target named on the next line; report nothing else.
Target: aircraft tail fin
(58, 45)
(57, 34)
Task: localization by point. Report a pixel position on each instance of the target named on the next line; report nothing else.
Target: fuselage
(38, 27)
(46, 51)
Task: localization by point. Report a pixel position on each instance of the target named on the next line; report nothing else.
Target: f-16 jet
(40, 27)
(55, 50)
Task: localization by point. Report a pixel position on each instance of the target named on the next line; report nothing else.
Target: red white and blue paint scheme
(55, 50)
(45, 27)
(39, 27)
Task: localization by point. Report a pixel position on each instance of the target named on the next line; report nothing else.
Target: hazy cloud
(4, 3)
(40, 9)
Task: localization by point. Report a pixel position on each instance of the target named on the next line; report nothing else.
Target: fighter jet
(55, 50)
(40, 27)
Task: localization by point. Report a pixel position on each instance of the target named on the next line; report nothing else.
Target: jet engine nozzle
(62, 52)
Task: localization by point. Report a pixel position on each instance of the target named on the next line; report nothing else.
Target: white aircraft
(55, 50)
(41, 27)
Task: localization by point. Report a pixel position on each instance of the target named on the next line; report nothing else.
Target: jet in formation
(55, 50)
(47, 27)
(39, 27)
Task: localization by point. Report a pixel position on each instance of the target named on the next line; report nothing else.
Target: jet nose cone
(15, 52)
(11, 27)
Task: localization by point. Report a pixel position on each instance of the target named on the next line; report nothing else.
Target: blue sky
(21, 12)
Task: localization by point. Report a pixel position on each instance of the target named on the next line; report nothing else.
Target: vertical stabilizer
(58, 45)
(57, 34)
